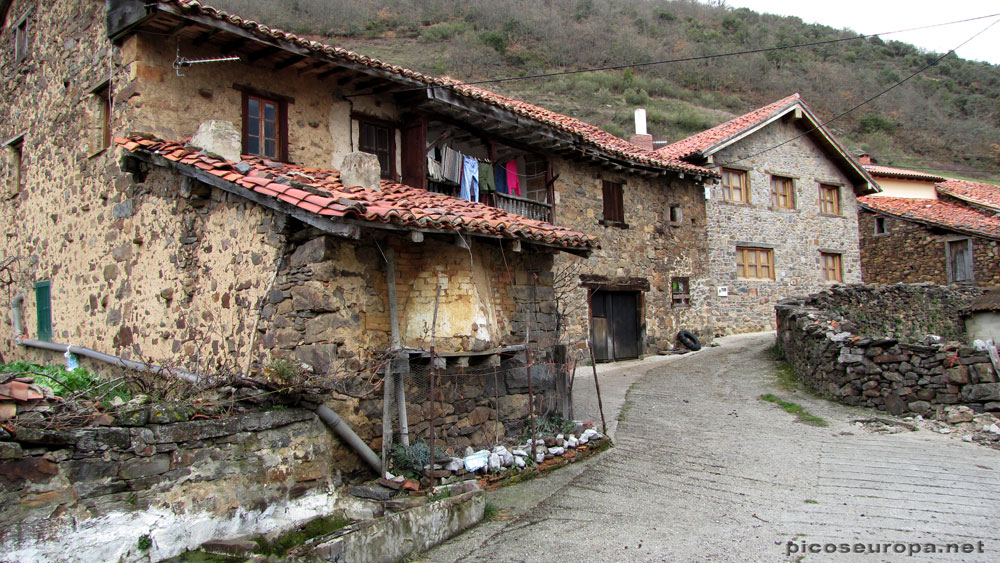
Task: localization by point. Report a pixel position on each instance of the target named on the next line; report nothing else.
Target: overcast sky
(877, 16)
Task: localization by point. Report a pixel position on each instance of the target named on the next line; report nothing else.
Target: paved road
(703, 470)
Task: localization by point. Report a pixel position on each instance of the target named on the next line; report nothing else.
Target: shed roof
(947, 215)
(978, 193)
(318, 196)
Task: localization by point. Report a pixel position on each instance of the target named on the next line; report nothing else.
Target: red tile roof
(711, 137)
(903, 174)
(587, 133)
(320, 192)
(986, 195)
(945, 214)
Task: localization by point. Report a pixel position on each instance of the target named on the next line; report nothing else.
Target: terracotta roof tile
(946, 214)
(986, 195)
(396, 203)
(710, 137)
(901, 173)
(587, 133)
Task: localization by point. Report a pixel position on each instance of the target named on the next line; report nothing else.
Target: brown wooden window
(832, 267)
(265, 123)
(680, 291)
(21, 40)
(379, 139)
(782, 192)
(829, 199)
(754, 263)
(101, 103)
(735, 186)
(614, 203)
(959, 260)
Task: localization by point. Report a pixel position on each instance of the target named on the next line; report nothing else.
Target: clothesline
(473, 174)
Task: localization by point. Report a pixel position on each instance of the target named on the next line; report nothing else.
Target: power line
(869, 100)
(688, 59)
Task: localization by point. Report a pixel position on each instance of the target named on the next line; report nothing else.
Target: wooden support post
(597, 386)
(400, 384)
(437, 300)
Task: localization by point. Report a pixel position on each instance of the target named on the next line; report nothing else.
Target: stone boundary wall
(58, 484)
(876, 368)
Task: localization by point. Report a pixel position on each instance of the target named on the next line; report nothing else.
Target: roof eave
(929, 223)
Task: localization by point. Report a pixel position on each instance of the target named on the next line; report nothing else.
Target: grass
(626, 406)
(811, 501)
(65, 383)
(441, 495)
(787, 379)
(490, 511)
(798, 410)
(312, 529)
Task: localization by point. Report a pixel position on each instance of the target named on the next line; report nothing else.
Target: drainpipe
(113, 360)
(344, 431)
(15, 309)
(390, 278)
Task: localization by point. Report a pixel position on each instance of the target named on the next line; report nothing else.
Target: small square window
(832, 267)
(880, 226)
(735, 186)
(754, 263)
(829, 199)
(614, 205)
(680, 292)
(782, 192)
(676, 214)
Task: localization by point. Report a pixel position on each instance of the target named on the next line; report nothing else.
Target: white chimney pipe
(640, 121)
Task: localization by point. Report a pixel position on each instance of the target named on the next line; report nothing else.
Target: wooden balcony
(517, 205)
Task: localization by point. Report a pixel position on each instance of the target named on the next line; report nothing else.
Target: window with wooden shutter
(833, 270)
(379, 139)
(43, 309)
(265, 123)
(829, 199)
(959, 260)
(614, 206)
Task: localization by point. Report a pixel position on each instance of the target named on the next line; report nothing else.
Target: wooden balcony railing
(510, 203)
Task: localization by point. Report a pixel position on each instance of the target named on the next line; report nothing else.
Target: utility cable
(867, 101)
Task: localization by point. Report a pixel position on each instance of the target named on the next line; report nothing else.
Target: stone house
(187, 189)
(927, 228)
(783, 218)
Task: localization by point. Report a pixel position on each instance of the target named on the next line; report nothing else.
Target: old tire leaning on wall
(690, 341)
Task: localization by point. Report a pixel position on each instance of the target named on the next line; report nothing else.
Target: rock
(539, 458)
(234, 548)
(219, 138)
(557, 450)
(373, 492)
(506, 458)
(519, 462)
(361, 169)
(162, 414)
(993, 428)
(518, 452)
(494, 462)
(944, 430)
(437, 473)
(476, 461)
(572, 442)
(455, 464)
(967, 438)
(956, 415)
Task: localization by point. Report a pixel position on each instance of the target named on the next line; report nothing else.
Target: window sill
(98, 152)
(832, 215)
(616, 224)
(785, 209)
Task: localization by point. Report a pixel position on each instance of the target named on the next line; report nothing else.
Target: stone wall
(909, 252)
(796, 236)
(99, 489)
(876, 361)
(652, 249)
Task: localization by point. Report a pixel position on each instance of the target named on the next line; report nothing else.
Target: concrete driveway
(703, 470)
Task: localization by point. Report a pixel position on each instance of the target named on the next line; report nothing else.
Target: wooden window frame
(281, 141)
(743, 263)
(829, 205)
(781, 198)
(22, 49)
(364, 122)
(43, 310)
(15, 150)
(832, 265)
(101, 96)
(727, 187)
(613, 197)
(950, 255)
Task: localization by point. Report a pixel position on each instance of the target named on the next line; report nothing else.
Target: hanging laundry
(451, 169)
(487, 181)
(513, 181)
(470, 179)
(434, 165)
(500, 175)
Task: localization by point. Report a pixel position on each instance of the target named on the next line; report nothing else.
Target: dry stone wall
(876, 361)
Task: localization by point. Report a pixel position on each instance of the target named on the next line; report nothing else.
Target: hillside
(946, 118)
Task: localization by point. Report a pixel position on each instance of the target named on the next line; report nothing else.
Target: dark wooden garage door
(615, 325)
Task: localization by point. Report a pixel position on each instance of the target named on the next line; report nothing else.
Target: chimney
(864, 159)
(641, 138)
(361, 169)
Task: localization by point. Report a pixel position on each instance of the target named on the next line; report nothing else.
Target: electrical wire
(869, 100)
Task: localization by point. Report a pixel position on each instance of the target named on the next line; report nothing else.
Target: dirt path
(705, 470)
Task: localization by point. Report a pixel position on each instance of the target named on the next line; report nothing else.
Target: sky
(877, 16)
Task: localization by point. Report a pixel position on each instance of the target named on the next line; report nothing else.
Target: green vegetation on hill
(947, 117)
